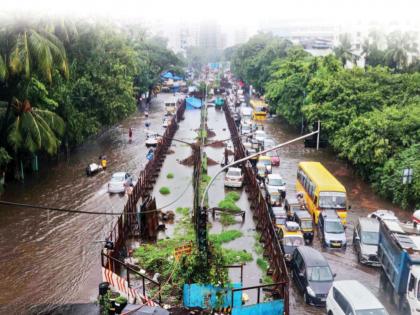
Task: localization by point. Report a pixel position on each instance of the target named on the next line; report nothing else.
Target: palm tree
(344, 50)
(34, 129)
(27, 49)
(400, 45)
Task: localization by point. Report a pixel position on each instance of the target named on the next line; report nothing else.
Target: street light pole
(250, 157)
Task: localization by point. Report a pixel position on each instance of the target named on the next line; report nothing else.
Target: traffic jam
(314, 210)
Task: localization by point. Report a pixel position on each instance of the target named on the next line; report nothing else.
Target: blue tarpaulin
(167, 75)
(204, 296)
(193, 103)
(275, 307)
(176, 78)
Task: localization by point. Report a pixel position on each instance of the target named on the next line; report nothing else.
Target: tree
(251, 61)
(27, 49)
(34, 129)
(344, 50)
(400, 45)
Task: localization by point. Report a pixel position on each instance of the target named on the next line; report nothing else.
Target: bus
(260, 109)
(321, 190)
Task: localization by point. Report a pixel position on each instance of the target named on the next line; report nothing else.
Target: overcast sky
(227, 12)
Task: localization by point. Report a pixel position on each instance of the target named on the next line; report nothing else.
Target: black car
(312, 275)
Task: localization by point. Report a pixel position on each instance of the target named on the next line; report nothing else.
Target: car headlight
(310, 291)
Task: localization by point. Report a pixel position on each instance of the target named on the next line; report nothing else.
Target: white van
(350, 297)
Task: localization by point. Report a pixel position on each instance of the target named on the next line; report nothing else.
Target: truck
(399, 256)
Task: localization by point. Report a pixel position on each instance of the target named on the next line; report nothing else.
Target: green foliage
(88, 75)
(370, 116)
(164, 190)
(229, 205)
(183, 211)
(371, 139)
(227, 219)
(170, 175)
(233, 195)
(4, 158)
(251, 61)
(233, 256)
(225, 236)
(263, 264)
(388, 179)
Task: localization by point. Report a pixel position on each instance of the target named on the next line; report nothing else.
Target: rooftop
(358, 295)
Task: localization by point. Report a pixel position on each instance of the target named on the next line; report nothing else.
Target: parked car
(264, 165)
(383, 215)
(312, 274)
(234, 177)
(119, 181)
(290, 237)
(275, 159)
(260, 135)
(274, 182)
(331, 230)
(280, 215)
(304, 219)
(351, 297)
(366, 240)
(245, 128)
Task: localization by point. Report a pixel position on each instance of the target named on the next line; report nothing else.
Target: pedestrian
(130, 134)
(103, 161)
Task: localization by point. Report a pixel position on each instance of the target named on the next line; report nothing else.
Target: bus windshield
(332, 200)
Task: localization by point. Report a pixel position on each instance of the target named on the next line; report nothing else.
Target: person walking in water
(103, 161)
(130, 134)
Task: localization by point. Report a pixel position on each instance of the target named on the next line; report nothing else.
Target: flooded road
(361, 197)
(52, 257)
(49, 257)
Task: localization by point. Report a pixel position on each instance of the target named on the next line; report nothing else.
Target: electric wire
(49, 208)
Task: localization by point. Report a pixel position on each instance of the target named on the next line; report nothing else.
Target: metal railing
(126, 224)
(265, 224)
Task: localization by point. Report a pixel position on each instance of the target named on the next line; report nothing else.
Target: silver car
(365, 241)
(119, 182)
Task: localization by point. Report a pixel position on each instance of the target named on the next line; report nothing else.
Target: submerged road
(52, 257)
(49, 257)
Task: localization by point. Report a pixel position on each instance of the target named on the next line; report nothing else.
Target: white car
(275, 183)
(119, 181)
(351, 297)
(234, 178)
(383, 215)
(260, 135)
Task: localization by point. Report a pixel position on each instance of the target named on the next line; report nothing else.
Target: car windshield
(276, 182)
(234, 173)
(293, 241)
(306, 224)
(319, 274)
(378, 311)
(370, 238)
(334, 227)
(117, 178)
(280, 220)
(260, 133)
(332, 200)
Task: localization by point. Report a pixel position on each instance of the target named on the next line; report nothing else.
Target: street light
(250, 157)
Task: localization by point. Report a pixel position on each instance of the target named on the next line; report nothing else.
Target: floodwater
(54, 258)
(361, 197)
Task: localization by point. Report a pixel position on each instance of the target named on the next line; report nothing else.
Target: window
(412, 283)
(320, 274)
(370, 238)
(341, 301)
(332, 200)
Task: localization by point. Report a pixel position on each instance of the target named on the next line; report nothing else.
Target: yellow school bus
(321, 190)
(260, 109)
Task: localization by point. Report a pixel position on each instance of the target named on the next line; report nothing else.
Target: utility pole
(317, 135)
